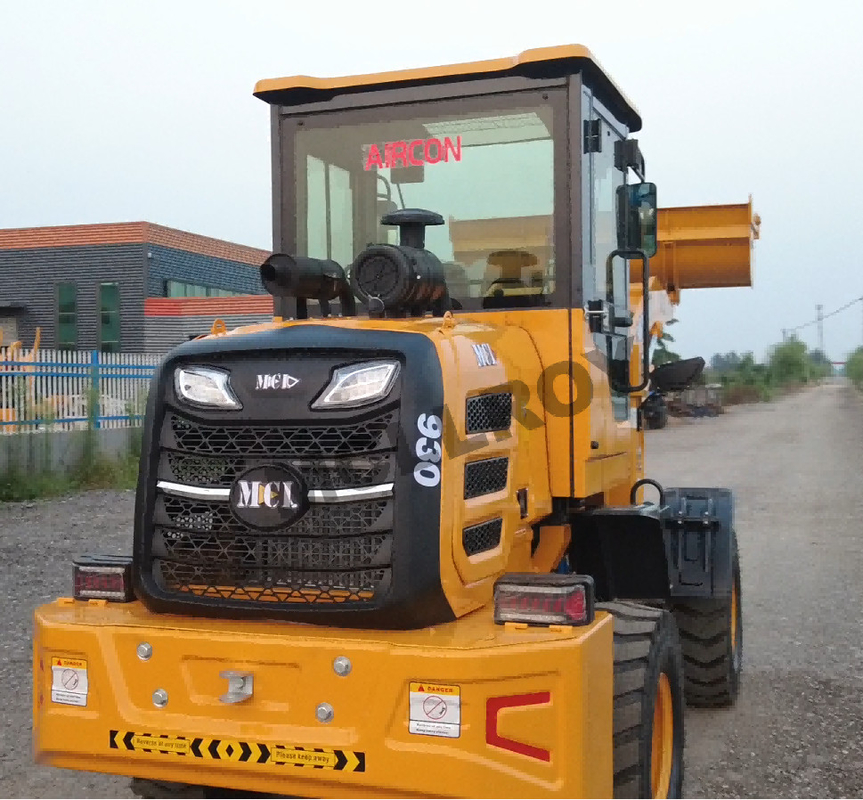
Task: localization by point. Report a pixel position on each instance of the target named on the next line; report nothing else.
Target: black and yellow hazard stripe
(236, 750)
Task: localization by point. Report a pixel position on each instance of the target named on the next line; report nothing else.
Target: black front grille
(322, 519)
(336, 552)
(488, 412)
(485, 477)
(221, 471)
(202, 438)
(482, 537)
(272, 584)
(294, 552)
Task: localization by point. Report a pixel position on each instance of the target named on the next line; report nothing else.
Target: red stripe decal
(493, 707)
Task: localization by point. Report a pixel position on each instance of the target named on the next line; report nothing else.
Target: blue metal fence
(66, 390)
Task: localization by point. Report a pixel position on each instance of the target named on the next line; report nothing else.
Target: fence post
(94, 386)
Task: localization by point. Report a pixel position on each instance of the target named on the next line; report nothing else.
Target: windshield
(489, 174)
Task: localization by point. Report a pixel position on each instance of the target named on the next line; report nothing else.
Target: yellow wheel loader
(392, 543)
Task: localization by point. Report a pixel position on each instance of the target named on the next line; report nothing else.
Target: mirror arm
(645, 316)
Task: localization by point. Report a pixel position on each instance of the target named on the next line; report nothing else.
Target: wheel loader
(399, 541)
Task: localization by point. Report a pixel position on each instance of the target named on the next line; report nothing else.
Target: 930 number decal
(428, 450)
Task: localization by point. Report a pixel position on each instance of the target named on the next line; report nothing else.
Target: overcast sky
(114, 111)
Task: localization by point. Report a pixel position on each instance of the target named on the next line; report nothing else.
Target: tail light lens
(103, 578)
(543, 599)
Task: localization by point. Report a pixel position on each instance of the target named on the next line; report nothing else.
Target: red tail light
(544, 599)
(103, 578)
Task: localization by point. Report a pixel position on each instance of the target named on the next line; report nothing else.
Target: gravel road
(796, 467)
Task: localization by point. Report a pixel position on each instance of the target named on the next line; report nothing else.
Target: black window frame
(404, 103)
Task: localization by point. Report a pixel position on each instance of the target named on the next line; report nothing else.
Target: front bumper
(464, 709)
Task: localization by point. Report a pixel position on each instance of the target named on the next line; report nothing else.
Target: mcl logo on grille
(254, 494)
(269, 497)
(278, 380)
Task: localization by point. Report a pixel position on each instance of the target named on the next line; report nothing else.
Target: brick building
(169, 321)
(125, 287)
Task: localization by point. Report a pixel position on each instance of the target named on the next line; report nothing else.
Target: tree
(788, 362)
(817, 356)
(661, 353)
(722, 363)
(819, 365)
(854, 367)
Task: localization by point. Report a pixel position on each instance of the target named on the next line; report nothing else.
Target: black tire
(655, 412)
(646, 646)
(712, 655)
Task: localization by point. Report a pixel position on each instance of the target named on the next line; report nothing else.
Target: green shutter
(67, 316)
(109, 317)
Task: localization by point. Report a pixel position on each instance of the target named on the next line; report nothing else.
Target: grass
(30, 473)
(98, 472)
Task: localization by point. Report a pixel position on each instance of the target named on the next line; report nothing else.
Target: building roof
(543, 62)
(128, 233)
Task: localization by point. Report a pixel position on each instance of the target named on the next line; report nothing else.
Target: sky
(118, 111)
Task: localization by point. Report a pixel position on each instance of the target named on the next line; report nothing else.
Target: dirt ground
(796, 467)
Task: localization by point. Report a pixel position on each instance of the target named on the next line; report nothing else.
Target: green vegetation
(28, 471)
(789, 365)
(854, 367)
(661, 353)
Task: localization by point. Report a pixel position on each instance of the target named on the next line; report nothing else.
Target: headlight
(205, 386)
(359, 384)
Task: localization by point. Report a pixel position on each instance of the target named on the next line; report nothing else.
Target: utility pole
(819, 309)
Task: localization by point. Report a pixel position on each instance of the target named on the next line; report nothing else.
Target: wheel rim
(662, 746)
(734, 618)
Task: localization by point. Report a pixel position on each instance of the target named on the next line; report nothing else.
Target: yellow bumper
(467, 709)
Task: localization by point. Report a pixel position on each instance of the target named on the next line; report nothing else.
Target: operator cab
(497, 158)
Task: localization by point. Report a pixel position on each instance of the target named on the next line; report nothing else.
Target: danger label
(69, 681)
(435, 709)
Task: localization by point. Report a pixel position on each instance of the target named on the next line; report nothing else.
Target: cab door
(607, 297)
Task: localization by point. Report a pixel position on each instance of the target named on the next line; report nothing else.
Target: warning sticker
(162, 743)
(435, 709)
(238, 750)
(291, 755)
(69, 681)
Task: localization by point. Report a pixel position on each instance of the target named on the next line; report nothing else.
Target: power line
(822, 317)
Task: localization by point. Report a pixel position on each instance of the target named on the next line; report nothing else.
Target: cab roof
(545, 62)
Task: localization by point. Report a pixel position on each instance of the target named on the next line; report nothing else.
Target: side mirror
(637, 220)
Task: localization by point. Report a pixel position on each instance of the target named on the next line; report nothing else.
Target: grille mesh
(488, 412)
(334, 553)
(345, 473)
(336, 519)
(273, 585)
(332, 440)
(482, 537)
(294, 552)
(485, 477)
